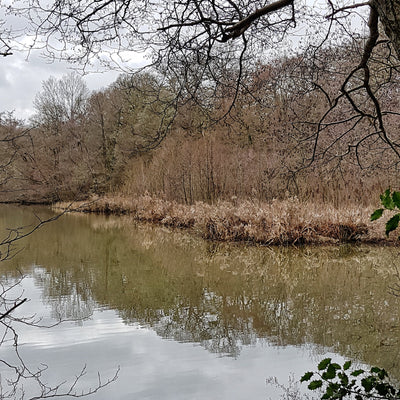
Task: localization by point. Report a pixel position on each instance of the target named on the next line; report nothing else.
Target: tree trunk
(389, 15)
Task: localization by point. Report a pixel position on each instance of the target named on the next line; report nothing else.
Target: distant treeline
(262, 140)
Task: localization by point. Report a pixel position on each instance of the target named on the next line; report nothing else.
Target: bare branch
(240, 27)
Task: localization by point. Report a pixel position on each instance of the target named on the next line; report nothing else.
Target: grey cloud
(21, 79)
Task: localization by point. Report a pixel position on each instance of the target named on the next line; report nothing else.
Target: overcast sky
(21, 79)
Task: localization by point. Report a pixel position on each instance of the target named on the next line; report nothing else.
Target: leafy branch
(391, 202)
(339, 382)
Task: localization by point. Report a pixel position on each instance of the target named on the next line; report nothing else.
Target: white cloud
(21, 79)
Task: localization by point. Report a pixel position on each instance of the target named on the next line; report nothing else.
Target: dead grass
(275, 223)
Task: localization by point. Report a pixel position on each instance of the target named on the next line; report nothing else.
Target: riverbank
(276, 223)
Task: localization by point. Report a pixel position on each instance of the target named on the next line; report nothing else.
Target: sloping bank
(276, 223)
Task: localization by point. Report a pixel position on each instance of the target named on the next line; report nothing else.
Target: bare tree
(210, 47)
(61, 100)
(59, 161)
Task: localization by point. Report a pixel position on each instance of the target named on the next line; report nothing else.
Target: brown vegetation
(278, 222)
(230, 177)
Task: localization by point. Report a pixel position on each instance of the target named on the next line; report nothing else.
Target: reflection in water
(221, 296)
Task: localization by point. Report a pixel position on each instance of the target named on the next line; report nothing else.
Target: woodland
(287, 139)
(132, 139)
(268, 122)
(227, 109)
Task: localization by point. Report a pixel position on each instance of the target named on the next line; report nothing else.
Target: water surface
(185, 318)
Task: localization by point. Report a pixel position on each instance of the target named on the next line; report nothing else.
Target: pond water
(183, 318)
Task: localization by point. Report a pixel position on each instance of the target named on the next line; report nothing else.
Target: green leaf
(387, 200)
(377, 214)
(382, 389)
(344, 379)
(324, 363)
(392, 224)
(375, 370)
(382, 374)
(329, 393)
(330, 372)
(357, 372)
(328, 375)
(396, 199)
(315, 385)
(368, 383)
(347, 365)
(306, 377)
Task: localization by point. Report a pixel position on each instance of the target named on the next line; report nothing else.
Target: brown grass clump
(280, 222)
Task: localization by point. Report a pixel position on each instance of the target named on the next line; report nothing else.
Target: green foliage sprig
(390, 201)
(339, 382)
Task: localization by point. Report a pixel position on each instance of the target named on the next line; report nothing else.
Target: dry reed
(280, 222)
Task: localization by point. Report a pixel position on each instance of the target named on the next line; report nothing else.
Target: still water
(183, 318)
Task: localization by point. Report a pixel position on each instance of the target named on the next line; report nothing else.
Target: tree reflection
(18, 378)
(68, 294)
(221, 296)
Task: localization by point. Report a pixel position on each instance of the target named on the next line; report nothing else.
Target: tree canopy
(205, 50)
(210, 49)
